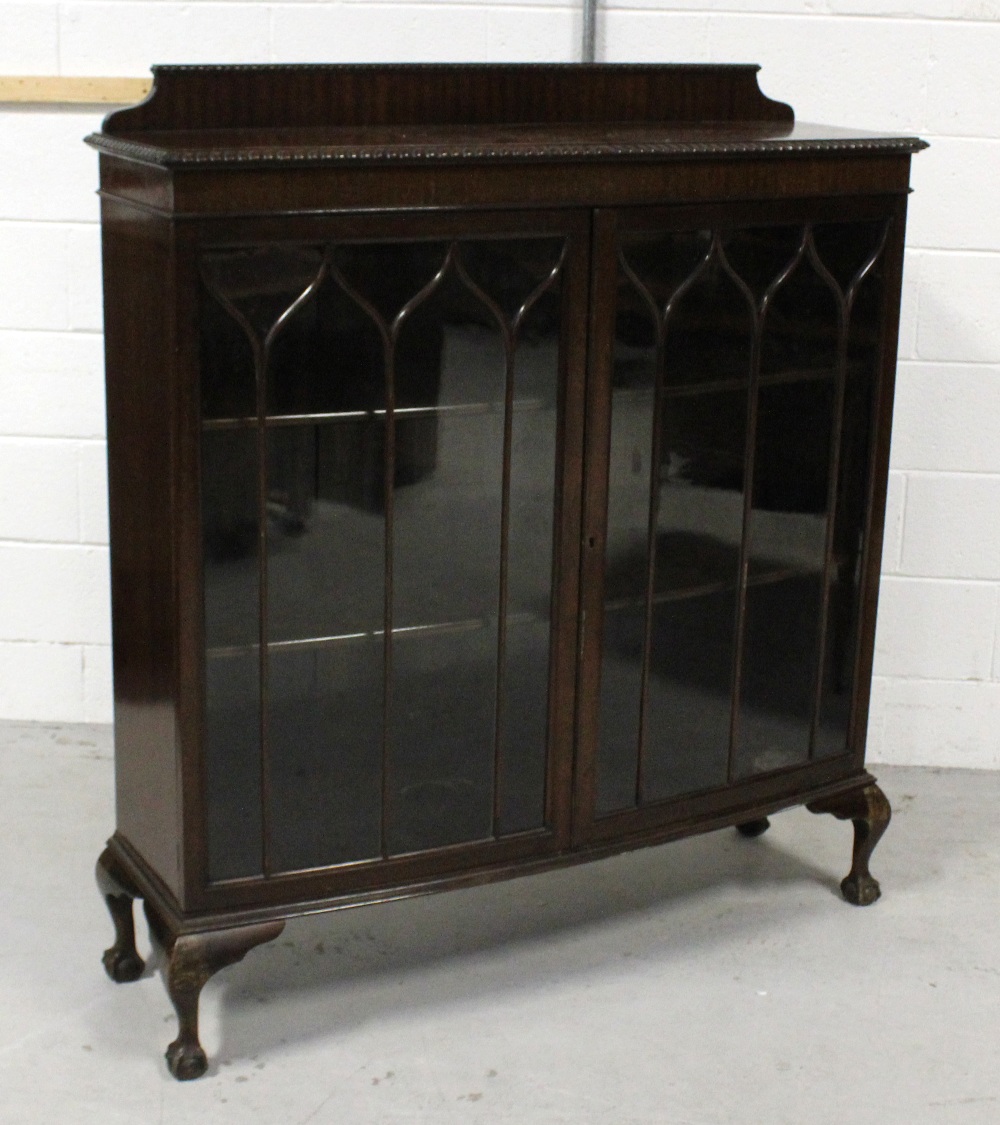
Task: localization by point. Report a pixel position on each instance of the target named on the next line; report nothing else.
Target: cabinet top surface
(345, 114)
(456, 143)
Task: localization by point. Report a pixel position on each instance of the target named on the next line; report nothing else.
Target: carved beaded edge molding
(665, 99)
(152, 154)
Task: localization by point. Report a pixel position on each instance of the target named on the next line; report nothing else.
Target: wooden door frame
(193, 237)
(778, 785)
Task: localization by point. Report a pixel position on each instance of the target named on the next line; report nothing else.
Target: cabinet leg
(869, 808)
(121, 962)
(191, 960)
(754, 827)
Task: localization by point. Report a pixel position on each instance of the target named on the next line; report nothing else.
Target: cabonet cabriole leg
(753, 828)
(191, 960)
(122, 961)
(869, 809)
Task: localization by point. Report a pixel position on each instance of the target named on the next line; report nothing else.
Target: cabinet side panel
(137, 271)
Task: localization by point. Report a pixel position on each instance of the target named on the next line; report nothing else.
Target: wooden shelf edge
(29, 89)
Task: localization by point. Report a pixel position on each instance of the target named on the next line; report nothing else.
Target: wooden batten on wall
(40, 90)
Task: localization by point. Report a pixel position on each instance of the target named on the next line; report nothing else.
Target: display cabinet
(497, 467)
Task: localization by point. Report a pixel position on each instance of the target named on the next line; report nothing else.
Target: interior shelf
(468, 625)
(464, 409)
(704, 589)
(717, 386)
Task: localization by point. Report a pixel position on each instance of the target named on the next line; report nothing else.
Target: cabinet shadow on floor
(328, 975)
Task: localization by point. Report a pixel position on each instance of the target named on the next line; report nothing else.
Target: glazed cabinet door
(390, 448)
(732, 533)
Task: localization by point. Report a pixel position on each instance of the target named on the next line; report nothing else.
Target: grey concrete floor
(709, 981)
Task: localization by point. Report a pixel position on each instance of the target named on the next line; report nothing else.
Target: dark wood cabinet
(497, 474)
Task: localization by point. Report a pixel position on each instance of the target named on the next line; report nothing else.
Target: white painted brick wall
(925, 66)
(378, 32)
(30, 43)
(125, 37)
(532, 34)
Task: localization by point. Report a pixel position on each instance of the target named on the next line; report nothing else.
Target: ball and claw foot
(123, 965)
(186, 1061)
(870, 811)
(191, 960)
(754, 828)
(121, 962)
(860, 890)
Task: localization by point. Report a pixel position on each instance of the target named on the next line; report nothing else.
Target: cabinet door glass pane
(736, 351)
(396, 460)
(694, 595)
(326, 530)
(795, 408)
(325, 584)
(633, 381)
(325, 749)
(698, 520)
(450, 371)
(442, 723)
(232, 763)
(230, 560)
(852, 254)
(530, 533)
(674, 613)
(783, 600)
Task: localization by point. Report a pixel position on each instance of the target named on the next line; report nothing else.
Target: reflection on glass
(446, 571)
(524, 725)
(688, 705)
(448, 465)
(621, 701)
(232, 682)
(230, 536)
(327, 359)
(778, 683)
(325, 753)
(469, 525)
(844, 248)
(530, 531)
(800, 330)
(322, 538)
(533, 460)
(228, 380)
(509, 271)
(788, 524)
(390, 275)
(442, 726)
(446, 528)
(664, 263)
(854, 244)
(633, 380)
(698, 521)
(760, 255)
(244, 295)
(699, 524)
(682, 713)
(232, 765)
